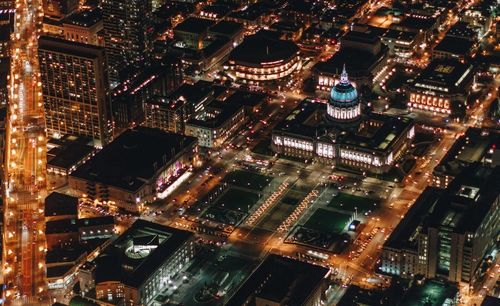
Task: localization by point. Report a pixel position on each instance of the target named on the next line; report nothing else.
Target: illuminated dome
(343, 105)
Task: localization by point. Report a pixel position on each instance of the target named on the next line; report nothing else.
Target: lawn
(276, 216)
(348, 202)
(247, 179)
(236, 199)
(222, 215)
(327, 221)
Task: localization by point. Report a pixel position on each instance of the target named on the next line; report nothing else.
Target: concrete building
(260, 58)
(448, 233)
(454, 47)
(125, 25)
(283, 281)
(159, 79)
(442, 87)
(65, 154)
(216, 123)
(193, 31)
(137, 167)
(170, 113)
(402, 44)
(84, 26)
(136, 267)
(62, 233)
(475, 146)
(363, 53)
(75, 89)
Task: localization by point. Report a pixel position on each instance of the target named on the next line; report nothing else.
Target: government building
(338, 132)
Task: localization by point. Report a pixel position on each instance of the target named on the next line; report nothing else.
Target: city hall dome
(343, 105)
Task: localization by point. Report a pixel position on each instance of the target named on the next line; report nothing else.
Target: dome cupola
(343, 105)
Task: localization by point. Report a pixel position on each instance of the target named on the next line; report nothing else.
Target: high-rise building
(448, 233)
(129, 99)
(125, 33)
(75, 89)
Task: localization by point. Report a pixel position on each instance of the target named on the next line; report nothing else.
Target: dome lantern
(343, 105)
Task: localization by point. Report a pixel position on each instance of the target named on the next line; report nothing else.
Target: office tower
(75, 89)
(25, 183)
(125, 33)
(156, 80)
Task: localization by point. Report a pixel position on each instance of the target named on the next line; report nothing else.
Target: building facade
(447, 233)
(216, 124)
(75, 89)
(138, 265)
(85, 27)
(337, 132)
(125, 25)
(442, 87)
(136, 168)
(259, 58)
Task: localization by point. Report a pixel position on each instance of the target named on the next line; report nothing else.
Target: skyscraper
(75, 89)
(125, 33)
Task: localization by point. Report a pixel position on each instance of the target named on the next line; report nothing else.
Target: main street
(25, 173)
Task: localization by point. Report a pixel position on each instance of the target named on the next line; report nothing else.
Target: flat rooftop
(72, 224)
(227, 28)
(128, 162)
(224, 111)
(462, 29)
(416, 23)
(365, 37)
(194, 25)
(455, 45)
(399, 35)
(283, 280)
(260, 50)
(186, 93)
(60, 204)
(84, 18)
(467, 200)
(476, 145)
(357, 62)
(70, 155)
(445, 75)
(120, 262)
(70, 254)
(247, 98)
(57, 45)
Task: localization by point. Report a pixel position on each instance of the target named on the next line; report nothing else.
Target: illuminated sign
(444, 69)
